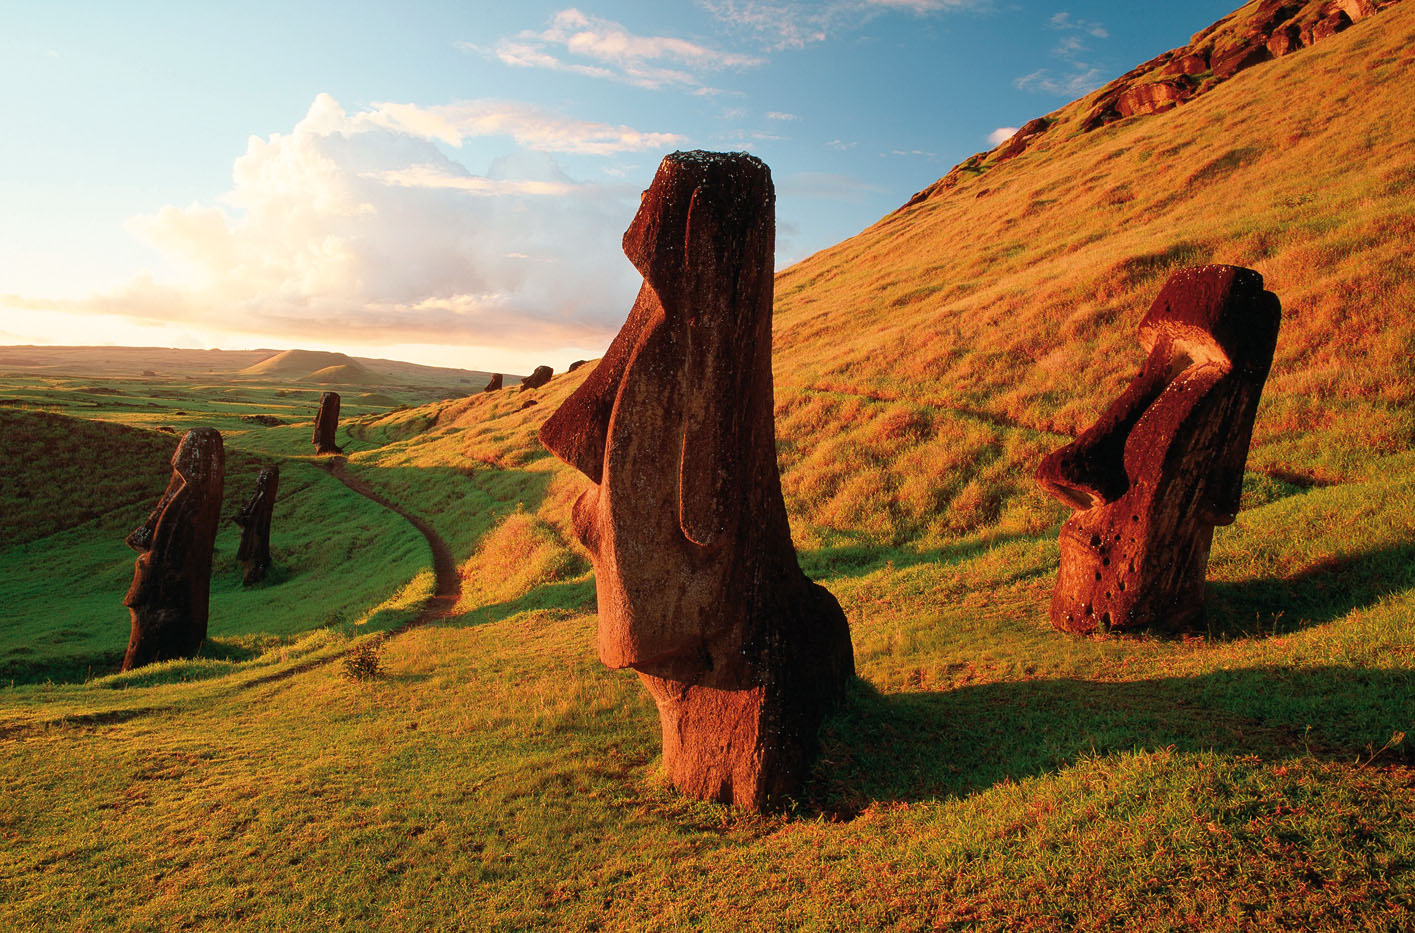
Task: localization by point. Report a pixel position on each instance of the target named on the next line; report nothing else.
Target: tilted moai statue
(326, 423)
(172, 575)
(696, 578)
(494, 384)
(1164, 464)
(254, 519)
(537, 379)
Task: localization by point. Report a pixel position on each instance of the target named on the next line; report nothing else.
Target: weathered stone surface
(1327, 26)
(254, 519)
(326, 423)
(1025, 135)
(538, 378)
(495, 383)
(1286, 39)
(1191, 63)
(168, 598)
(1164, 463)
(576, 365)
(697, 581)
(1154, 97)
(1229, 61)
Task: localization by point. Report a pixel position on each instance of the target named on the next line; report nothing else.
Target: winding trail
(444, 567)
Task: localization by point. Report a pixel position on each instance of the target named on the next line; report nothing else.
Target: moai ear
(712, 474)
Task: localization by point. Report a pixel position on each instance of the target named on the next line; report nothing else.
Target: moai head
(695, 574)
(168, 598)
(1164, 464)
(326, 424)
(675, 424)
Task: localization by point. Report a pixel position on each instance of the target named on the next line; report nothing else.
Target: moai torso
(326, 423)
(696, 577)
(1164, 463)
(254, 519)
(168, 598)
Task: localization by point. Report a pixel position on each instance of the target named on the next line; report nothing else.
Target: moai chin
(171, 586)
(254, 519)
(326, 423)
(1164, 463)
(696, 578)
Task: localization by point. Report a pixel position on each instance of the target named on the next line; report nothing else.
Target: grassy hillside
(986, 772)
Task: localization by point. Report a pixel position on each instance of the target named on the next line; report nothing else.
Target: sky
(448, 182)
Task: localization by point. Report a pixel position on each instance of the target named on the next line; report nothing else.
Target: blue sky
(448, 182)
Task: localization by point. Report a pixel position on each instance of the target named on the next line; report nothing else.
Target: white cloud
(1064, 21)
(786, 24)
(839, 145)
(1001, 135)
(778, 115)
(1080, 81)
(582, 44)
(356, 228)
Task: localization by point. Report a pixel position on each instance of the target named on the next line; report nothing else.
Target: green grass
(985, 771)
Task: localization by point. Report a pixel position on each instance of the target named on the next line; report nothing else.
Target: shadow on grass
(573, 596)
(929, 746)
(1326, 591)
(858, 560)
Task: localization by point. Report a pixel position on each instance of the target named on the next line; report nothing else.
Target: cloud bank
(355, 227)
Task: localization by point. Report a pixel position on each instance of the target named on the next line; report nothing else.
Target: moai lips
(254, 519)
(1164, 464)
(696, 577)
(171, 586)
(326, 423)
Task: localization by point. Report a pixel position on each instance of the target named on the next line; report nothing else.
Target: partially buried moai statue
(696, 578)
(254, 519)
(495, 383)
(172, 576)
(326, 423)
(1164, 464)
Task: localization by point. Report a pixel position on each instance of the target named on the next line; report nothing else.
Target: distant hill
(267, 364)
(298, 363)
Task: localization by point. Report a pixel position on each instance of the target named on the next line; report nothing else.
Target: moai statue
(696, 578)
(172, 576)
(1164, 464)
(494, 384)
(326, 423)
(538, 378)
(254, 519)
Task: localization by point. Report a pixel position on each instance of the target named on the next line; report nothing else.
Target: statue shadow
(1321, 593)
(571, 596)
(858, 560)
(925, 746)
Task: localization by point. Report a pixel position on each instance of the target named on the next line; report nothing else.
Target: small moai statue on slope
(326, 423)
(254, 519)
(495, 383)
(697, 582)
(168, 599)
(537, 379)
(1164, 463)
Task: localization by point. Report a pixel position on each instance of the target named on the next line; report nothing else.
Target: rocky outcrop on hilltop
(1257, 32)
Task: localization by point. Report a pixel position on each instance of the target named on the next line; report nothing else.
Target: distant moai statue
(326, 423)
(697, 581)
(1164, 463)
(495, 383)
(576, 365)
(537, 379)
(254, 519)
(171, 586)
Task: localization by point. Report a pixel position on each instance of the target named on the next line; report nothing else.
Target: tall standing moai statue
(171, 586)
(254, 519)
(326, 423)
(696, 578)
(1164, 464)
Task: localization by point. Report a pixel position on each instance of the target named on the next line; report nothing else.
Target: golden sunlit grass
(986, 772)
